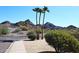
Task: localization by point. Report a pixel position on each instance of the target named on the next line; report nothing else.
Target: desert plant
(24, 28)
(74, 32)
(39, 31)
(4, 30)
(45, 9)
(62, 41)
(31, 35)
(36, 10)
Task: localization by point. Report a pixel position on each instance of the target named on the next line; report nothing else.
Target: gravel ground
(4, 46)
(38, 46)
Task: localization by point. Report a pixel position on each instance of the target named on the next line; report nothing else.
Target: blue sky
(58, 15)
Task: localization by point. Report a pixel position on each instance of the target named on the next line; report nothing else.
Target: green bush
(39, 31)
(31, 35)
(4, 31)
(75, 33)
(62, 41)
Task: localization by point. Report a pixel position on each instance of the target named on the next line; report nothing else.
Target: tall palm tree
(40, 12)
(45, 9)
(36, 10)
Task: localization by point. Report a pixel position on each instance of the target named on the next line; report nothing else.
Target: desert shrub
(24, 28)
(75, 33)
(31, 35)
(39, 31)
(4, 30)
(16, 30)
(45, 30)
(62, 41)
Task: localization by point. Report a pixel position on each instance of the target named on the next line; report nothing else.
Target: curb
(9, 48)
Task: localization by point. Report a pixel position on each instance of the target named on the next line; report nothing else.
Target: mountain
(49, 25)
(29, 22)
(7, 23)
(71, 27)
(19, 23)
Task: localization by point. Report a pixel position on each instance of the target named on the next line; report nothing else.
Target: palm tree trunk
(36, 25)
(39, 24)
(36, 19)
(39, 18)
(43, 26)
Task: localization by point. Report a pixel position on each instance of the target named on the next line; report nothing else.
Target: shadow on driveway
(47, 52)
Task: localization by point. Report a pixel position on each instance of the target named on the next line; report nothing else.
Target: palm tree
(45, 9)
(40, 12)
(36, 10)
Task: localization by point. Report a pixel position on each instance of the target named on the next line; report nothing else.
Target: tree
(36, 10)
(45, 9)
(40, 12)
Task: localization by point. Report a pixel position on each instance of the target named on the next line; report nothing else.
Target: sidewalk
(29, 47)
(37, 46)
(16, 47)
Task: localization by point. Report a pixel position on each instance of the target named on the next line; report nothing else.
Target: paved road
(4, 46)
(15, 36)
